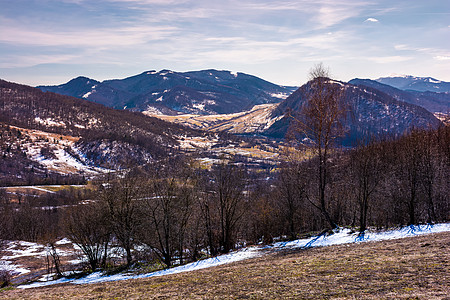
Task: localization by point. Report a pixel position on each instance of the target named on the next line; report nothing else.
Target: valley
(246, 149)
(253, 121)
(150, 183)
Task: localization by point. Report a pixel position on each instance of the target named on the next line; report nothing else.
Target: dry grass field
(409, 268)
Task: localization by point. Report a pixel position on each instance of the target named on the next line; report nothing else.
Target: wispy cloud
(331, 15)
(18, 61)
(323, 13)
(436, 53)
(440, 57)
(88, 37)
(389, 59)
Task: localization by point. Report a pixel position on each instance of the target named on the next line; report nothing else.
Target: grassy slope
(416, 267)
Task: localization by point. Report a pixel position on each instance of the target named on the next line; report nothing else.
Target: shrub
(5, 277)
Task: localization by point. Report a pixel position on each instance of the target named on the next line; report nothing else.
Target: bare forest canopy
(172, 212)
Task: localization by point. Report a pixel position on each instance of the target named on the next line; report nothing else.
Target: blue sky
(50, 42)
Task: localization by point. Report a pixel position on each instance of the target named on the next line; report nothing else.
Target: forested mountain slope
(91, 134)
(166, 92)
(370, 112)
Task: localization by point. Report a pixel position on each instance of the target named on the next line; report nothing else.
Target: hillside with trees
(170, 210)
(104, 137)
(368, 112)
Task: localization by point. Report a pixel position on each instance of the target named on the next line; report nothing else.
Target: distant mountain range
(46, 133)
(421, 84)
(166, 92)
(432, 101)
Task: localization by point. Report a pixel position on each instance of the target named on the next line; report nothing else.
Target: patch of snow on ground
(42, 189)
(209, 161)
(86, 95)
(49, 122)
(76, 261)
(279, 95)
(63, 241)
(24, 249)
(343, 236)
(63, 160)
(97, 277)
(15, 269)
(151, 110)
(199, 106)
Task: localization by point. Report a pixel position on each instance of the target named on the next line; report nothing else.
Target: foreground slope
(404, 268)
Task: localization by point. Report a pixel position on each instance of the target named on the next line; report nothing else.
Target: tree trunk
(129, 256)
(411, 208)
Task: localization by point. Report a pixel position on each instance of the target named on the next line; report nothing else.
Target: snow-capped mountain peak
(421, 84)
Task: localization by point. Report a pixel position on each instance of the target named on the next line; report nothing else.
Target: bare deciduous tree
(53, 259)
(320, 120)
(169, 206)
(87, 226)
(121, 198)
(226, 189)
(409, 172)
(291, 186)
(366, 166)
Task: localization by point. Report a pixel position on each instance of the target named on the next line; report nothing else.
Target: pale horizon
(50, 42)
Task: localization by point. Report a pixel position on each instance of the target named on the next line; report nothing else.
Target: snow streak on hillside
(56, 152)
(343, 236)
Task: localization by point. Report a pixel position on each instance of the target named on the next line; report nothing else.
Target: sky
(53, 41)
